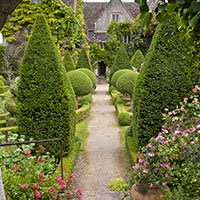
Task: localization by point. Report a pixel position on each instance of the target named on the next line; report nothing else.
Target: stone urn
(150, 194)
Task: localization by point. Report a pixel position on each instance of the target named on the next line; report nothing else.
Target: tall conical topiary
(162, 82)
(83, 60)
(46, 101)
(68, 62)
(122, 61)
(137, 60)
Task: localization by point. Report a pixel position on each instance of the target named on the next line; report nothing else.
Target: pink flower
(42, 148)
(25, 186)
(37, 194)
(140, 160)
(195, 100)
(34, 187)
(151, 154)
(26, 153)
(40, 175)
(149, 145)
(40, 160)
(166, 165)
(71, 180)
(165, 141)
(15, 169)
(195, 89)
(42, 181)
(69, 193)
(192, 130)
(174, 112)
(182, 108)
(145, 170)
(59, 178)
(166, 174)
(185, 100)
(79, 193)
(52, 190)
(63, 184)
(164, 183)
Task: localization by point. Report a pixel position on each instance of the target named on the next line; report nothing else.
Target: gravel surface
(104, 158)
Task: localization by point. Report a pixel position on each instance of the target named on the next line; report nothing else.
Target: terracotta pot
(151, 194)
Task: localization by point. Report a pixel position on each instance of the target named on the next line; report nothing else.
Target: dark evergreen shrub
(117, 74)
(84, 60)
(46, 101)
(81, 83)
(122, 61)
(163, 81)
(90, 74)
(137, 60)
(68, 62)
(126, 82)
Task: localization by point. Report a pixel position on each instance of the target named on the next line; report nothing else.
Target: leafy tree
(46, 101)
(68, 62)
(137, 60)
(163, 81)
(84, 60)
(121, 61)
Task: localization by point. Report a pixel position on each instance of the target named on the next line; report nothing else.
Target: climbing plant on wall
(61, 19)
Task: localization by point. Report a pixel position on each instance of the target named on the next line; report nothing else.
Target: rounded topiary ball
(81, 83)
(126, 82)
(90, 74)
(117, 74)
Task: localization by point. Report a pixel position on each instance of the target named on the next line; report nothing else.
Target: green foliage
(118, 185)
(46, 101)
(87, 99)
(2, 55)
(163, 81)
(65, 26)
(137, 60)
(81, 83)
(84, 60)
(83, 112)
(124, 118)
(121, 61)
(126, 82)
(90, 74)
(68, 62)
(172, 157)
(117, 74)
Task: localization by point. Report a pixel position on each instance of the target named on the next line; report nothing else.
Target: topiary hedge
(45, 98)
(84, 60)
(81, 83)
(163, 81)
(126, 83)
(68, 62)
(116, 76)
(91, 75)
(137, 60)
(122, 61)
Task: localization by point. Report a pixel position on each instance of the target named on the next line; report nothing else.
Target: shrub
(172, 158)
(83, 112)
(87, 99)
(124, 118)
(84, 61)
(121, 62)
(163, 81)
(116, 76)
(137, 60)
(81, 83)
(126, 83)
(45, 97)
(90, 74)
(68, 62)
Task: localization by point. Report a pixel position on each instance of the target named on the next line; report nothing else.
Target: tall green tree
(162, 82)
(122, 61)
(46, 100)
(84, 60)
(137, 60)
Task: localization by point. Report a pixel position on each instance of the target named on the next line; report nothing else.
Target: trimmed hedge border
(83, 112)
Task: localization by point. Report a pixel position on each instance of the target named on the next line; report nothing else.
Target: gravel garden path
(104, 158)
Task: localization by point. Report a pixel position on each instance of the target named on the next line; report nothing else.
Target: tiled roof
(98, 37)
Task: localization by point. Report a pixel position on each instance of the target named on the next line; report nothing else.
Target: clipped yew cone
(151, 194)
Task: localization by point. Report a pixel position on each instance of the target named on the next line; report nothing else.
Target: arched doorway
(101, 69)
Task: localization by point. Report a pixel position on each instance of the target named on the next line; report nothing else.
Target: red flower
(34, 187)
(52, 190)
(15, 169)
(25, 186)
(40, 160)
(42, 148)
(69, 193)
(37, 194)
(42, 181)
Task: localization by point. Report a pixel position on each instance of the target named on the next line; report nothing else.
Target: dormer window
(126, 38)
(115, 17)
(36, 1)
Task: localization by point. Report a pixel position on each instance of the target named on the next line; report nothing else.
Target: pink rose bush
(28, 175)
(172, 159)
